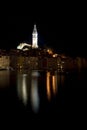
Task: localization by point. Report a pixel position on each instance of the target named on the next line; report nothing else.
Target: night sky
(60, 32)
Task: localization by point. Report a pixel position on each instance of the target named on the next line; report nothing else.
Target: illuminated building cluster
(28, 56)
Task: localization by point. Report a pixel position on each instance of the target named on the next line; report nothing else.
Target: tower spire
(35, 37)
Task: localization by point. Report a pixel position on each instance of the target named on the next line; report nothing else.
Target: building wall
(24, 62)
(4, 62)
(20, 61)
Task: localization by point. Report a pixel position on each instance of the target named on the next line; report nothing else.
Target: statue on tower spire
(35, 37)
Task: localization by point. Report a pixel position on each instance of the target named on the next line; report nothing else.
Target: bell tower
(35, 37)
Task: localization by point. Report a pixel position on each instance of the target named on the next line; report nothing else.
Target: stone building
(4, 60)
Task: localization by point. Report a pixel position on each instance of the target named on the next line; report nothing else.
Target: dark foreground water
(43, 96)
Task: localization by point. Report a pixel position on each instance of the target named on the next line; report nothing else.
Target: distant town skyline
(19, 29)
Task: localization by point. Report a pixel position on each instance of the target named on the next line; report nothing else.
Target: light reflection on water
(4, 78)
(34, 91)
(22, 87)
(37, 88)
(28, 86)
(51, 83)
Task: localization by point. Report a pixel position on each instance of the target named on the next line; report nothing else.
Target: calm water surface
(38, 94)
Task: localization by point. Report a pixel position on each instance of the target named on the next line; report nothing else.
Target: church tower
(35, 38)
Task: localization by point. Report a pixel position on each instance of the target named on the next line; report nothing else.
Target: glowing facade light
(49, 51)
(22, 45)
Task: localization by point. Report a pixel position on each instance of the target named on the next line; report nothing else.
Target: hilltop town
(28, 56)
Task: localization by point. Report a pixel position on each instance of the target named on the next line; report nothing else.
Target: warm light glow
(48, 85)
(49, 51)
(55, 55)
(54, 84)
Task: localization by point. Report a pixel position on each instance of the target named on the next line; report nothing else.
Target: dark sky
(61, 32)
